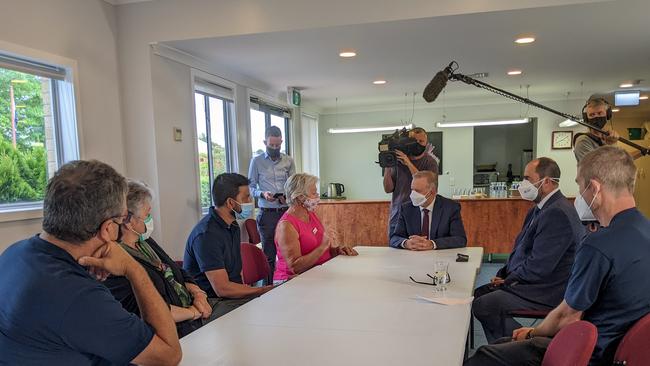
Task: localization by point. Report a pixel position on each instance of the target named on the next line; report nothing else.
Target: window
(264, 116)
(213, 116)
(38, 128)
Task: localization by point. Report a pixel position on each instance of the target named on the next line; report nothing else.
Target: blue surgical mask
(246, 210)
(148, 223)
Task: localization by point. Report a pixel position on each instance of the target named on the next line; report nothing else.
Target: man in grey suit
(536, 274)
(428, 221)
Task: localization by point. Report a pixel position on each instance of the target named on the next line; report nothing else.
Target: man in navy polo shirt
(608, 285)
(213, 249)
(54, 311)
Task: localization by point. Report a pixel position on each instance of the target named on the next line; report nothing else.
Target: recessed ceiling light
(347, 53)
(514, 72)
(643, 97)
(615, 110)
(525, 40)
(626, 85)
(379, 82)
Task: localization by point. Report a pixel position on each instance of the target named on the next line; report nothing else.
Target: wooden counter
(491, 223)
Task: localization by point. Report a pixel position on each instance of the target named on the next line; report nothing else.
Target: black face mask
(417, 149)
(598, 122)
(273, 153)
(119, 233)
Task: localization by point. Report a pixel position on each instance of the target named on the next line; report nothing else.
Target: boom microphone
(438, 83)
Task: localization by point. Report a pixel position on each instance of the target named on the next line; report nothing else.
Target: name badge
(314, 230)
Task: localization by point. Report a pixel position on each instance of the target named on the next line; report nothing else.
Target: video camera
(401, 141)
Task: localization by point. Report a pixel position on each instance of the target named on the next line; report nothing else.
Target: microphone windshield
(435, 86)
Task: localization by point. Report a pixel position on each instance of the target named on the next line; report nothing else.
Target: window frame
(18, 211)
(228, 114)
(268, 111)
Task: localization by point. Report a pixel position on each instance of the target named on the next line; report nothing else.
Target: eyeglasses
(447, 280)
(125, 218)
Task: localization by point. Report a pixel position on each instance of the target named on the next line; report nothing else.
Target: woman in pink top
(300, 238)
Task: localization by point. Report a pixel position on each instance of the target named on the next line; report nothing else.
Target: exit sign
(293, 97)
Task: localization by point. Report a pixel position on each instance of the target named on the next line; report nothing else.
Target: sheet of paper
(447, 300)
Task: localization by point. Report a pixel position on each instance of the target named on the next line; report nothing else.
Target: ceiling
(601, 44)
(122, 2)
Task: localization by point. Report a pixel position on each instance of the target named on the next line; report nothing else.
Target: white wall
(83, 31)
(143, 23)
(349, 158)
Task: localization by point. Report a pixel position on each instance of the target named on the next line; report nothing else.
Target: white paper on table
(447, 300)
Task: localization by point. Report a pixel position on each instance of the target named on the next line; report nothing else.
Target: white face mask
(417, 198)
(528, 190)
(583, 209)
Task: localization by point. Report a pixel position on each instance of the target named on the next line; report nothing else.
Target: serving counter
(491, 223)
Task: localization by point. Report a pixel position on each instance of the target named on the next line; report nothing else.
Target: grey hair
(613, 167)
(431, 177)
(138, 194)
(297, 186)
(80, 197)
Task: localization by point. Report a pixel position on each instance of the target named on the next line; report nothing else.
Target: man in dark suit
(536, 274)
(429, 221)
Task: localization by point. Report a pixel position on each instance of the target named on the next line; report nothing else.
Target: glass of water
(441, 275)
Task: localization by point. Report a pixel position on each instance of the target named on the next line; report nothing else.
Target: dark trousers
(267, 221)
(491, 306)
(505, 352)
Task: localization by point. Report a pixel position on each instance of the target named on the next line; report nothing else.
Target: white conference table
(349, 311)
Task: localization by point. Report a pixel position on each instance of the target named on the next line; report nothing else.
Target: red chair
(255, 267)
(251, 229)
(572, 346)
(633, 349)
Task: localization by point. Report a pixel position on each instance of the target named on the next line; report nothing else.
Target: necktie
(425, 223)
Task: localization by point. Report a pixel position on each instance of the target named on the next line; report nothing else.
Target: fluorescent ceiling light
(626, 85)
(525, 40)
(568, 123)
(368, 129)
(643, 97)
(483, 123)
(514, 72)
(347, 53)
(379, 82)
(626, 98)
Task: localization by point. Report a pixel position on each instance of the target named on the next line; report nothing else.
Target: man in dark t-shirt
(54, 311)
(397, 180)
(607, 286)
(213, 249)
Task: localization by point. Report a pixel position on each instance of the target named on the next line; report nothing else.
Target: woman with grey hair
(301, 240)
(187, 302)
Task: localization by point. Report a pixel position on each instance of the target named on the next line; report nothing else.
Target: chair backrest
(251, 229)
(255, 267)
(633, 349)
(572, 346)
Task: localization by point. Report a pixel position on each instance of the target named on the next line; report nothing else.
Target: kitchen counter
(491, 223)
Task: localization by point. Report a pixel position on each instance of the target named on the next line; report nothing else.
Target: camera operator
(397, 180)
(597, 112)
